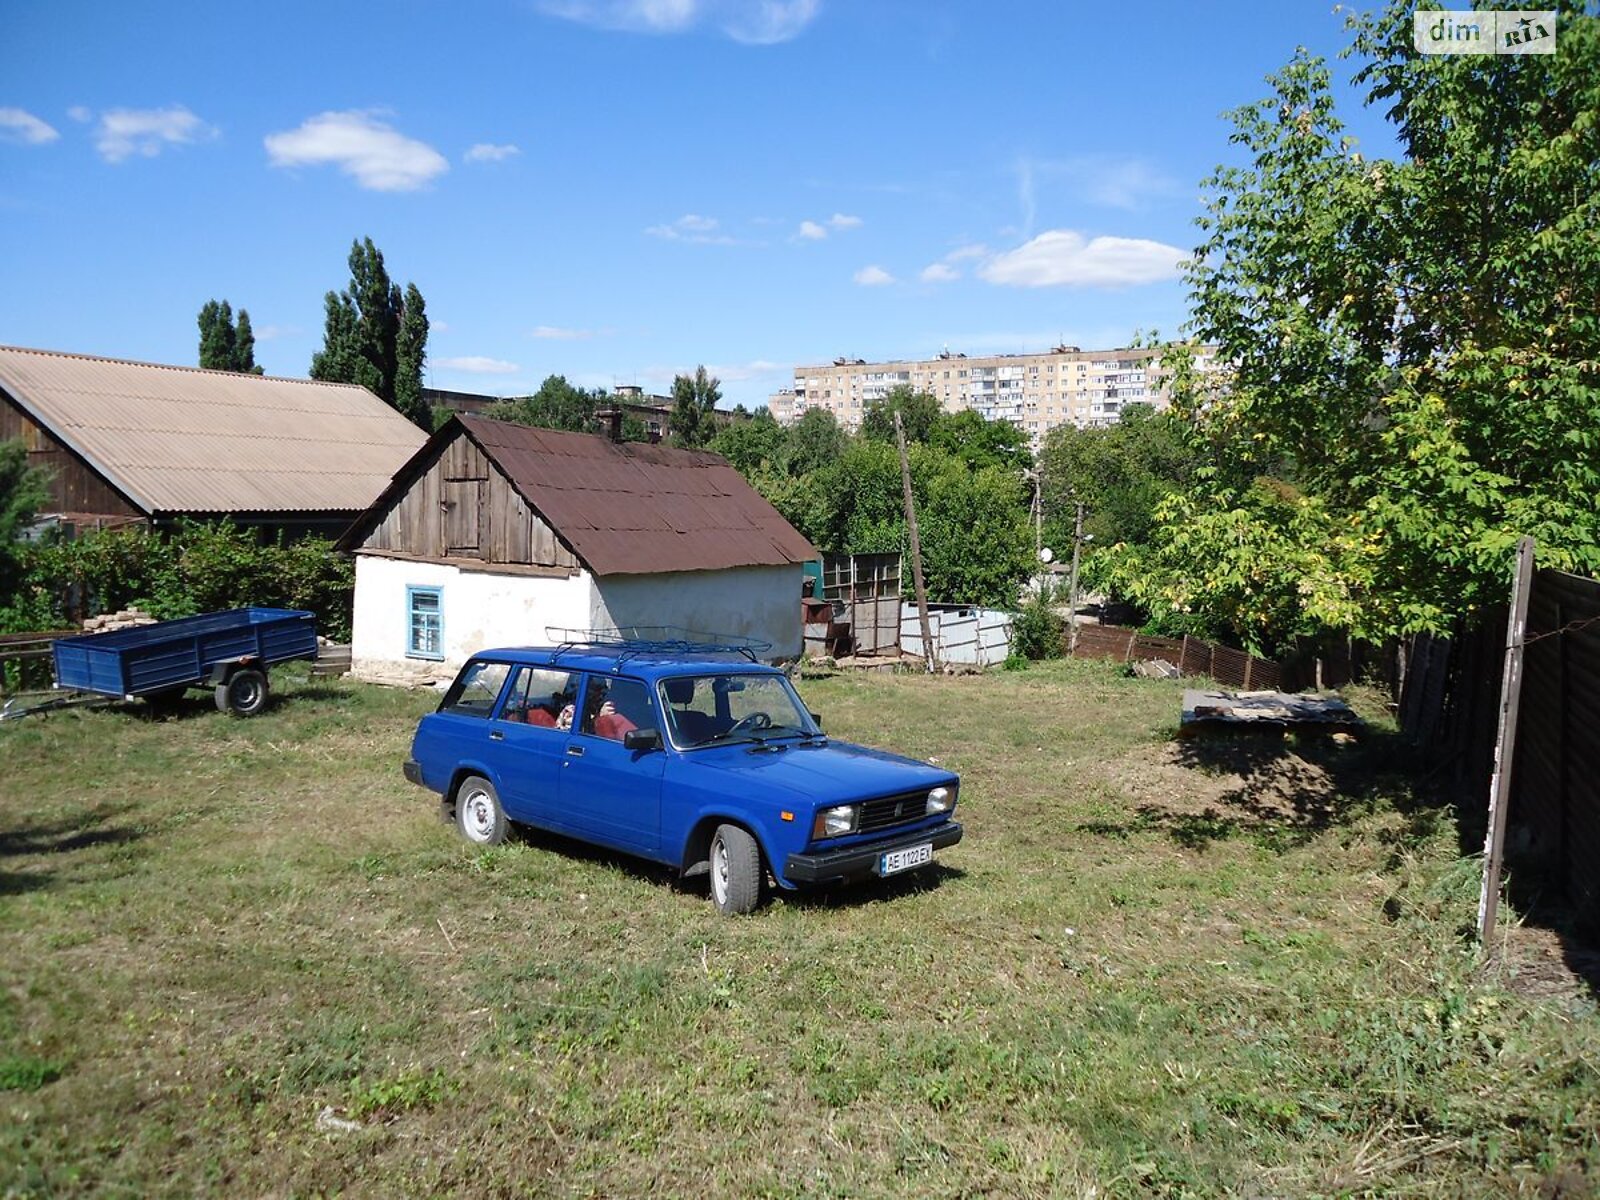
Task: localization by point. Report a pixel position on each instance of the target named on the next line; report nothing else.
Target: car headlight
(837, 821)
(940, 800)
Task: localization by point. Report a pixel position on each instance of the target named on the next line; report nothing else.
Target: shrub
(1036, 631)
(197, 567)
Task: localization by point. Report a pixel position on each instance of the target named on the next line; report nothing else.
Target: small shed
(495, 532)
(131, 443)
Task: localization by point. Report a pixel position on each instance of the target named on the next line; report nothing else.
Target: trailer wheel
(244, 693)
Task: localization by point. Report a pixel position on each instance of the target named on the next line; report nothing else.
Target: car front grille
(893, 810)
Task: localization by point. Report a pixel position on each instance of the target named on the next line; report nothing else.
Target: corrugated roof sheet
(637, 509)
(180, 439)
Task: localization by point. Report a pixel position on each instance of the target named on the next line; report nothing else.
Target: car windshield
(705, 710)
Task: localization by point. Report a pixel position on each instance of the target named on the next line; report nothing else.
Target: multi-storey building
(1036, 391)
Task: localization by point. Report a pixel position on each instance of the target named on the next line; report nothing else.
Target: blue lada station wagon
(704, 761)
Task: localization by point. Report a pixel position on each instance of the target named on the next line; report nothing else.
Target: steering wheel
(752, 723)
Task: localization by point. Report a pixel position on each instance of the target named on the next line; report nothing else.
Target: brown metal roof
(637, 509)
(180, 439)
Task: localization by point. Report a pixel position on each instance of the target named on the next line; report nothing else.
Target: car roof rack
(632, 641)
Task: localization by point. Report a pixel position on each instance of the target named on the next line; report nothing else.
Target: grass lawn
(246, 958)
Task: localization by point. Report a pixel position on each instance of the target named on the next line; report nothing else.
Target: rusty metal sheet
(181, 439)
(634, 508)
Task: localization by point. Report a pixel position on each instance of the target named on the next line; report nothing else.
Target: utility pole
(1072, 585)
(916, 543)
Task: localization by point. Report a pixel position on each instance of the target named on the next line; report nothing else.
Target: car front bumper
(859, 862)
(412, 770)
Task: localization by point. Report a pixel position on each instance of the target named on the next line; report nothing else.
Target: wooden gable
(460, 508)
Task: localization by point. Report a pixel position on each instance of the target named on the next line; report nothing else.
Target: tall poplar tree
(376, 335)
(224, 346)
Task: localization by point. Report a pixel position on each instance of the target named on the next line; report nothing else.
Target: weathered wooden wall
(74, 488)
(460, 508)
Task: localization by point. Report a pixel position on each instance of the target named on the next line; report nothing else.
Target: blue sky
(617, 190)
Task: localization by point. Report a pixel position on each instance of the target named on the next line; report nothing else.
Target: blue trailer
(228, 652)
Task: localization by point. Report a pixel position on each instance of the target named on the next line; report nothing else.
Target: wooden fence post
(1505, 743)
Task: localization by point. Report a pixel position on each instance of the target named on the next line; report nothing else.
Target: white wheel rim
(477, 816)
(719, 871)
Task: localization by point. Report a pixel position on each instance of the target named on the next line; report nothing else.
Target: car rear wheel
(735, 870)
(478, 813)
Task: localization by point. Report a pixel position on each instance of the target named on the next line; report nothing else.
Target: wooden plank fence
(1192, 656)
(1449, 703)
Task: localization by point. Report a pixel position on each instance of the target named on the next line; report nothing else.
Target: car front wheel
(478, 813)
(735, 870)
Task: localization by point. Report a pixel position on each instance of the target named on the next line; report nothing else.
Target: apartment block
(1036, 391)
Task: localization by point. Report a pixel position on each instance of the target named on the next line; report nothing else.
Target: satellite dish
(1046, 554)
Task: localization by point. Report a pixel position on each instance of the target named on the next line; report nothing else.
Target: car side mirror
(816, 719)
(642, 739)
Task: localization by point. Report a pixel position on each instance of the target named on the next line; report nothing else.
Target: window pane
(425, 634)
(612, 707)
(538, 695)
(475, 690)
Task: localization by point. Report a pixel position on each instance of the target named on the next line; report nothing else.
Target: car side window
(613, 707)
(537, 695)
(475, 690)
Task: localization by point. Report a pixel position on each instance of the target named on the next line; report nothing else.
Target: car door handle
(575, 751)
(496, 736)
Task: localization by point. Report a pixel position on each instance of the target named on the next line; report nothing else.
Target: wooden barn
(139, 443)
(495, 534)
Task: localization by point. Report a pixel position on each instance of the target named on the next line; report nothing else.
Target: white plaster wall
(481, 609)
(757, 602)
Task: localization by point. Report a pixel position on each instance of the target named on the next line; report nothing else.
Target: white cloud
(1126, 183)
(488, 152)
(476, 364)
(554, 333)
(939, 273)
(372, 152)
(754, 22)
(691, 227)
(81, 114)
(146, 132)
(1065, 258)
(873, 276)
(961, 254)
(271, 333)
(17, 125)
(817, 230)
(767, 22)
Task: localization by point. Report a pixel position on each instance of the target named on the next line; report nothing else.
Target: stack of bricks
(126, 618)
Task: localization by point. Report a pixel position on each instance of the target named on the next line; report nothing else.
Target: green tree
(1120, 473)
(1412, 344)
(224, 346)
(370, 339)
(694, 404)
(411, 356)
(24, 490)
(556, 405)
(979, 442)
(919, 412)
(750, 444)
(560, 405)
(812, 442)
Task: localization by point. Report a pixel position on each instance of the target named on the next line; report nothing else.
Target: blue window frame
(425, 623)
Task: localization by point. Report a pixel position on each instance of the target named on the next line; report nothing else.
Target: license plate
(896, 861)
